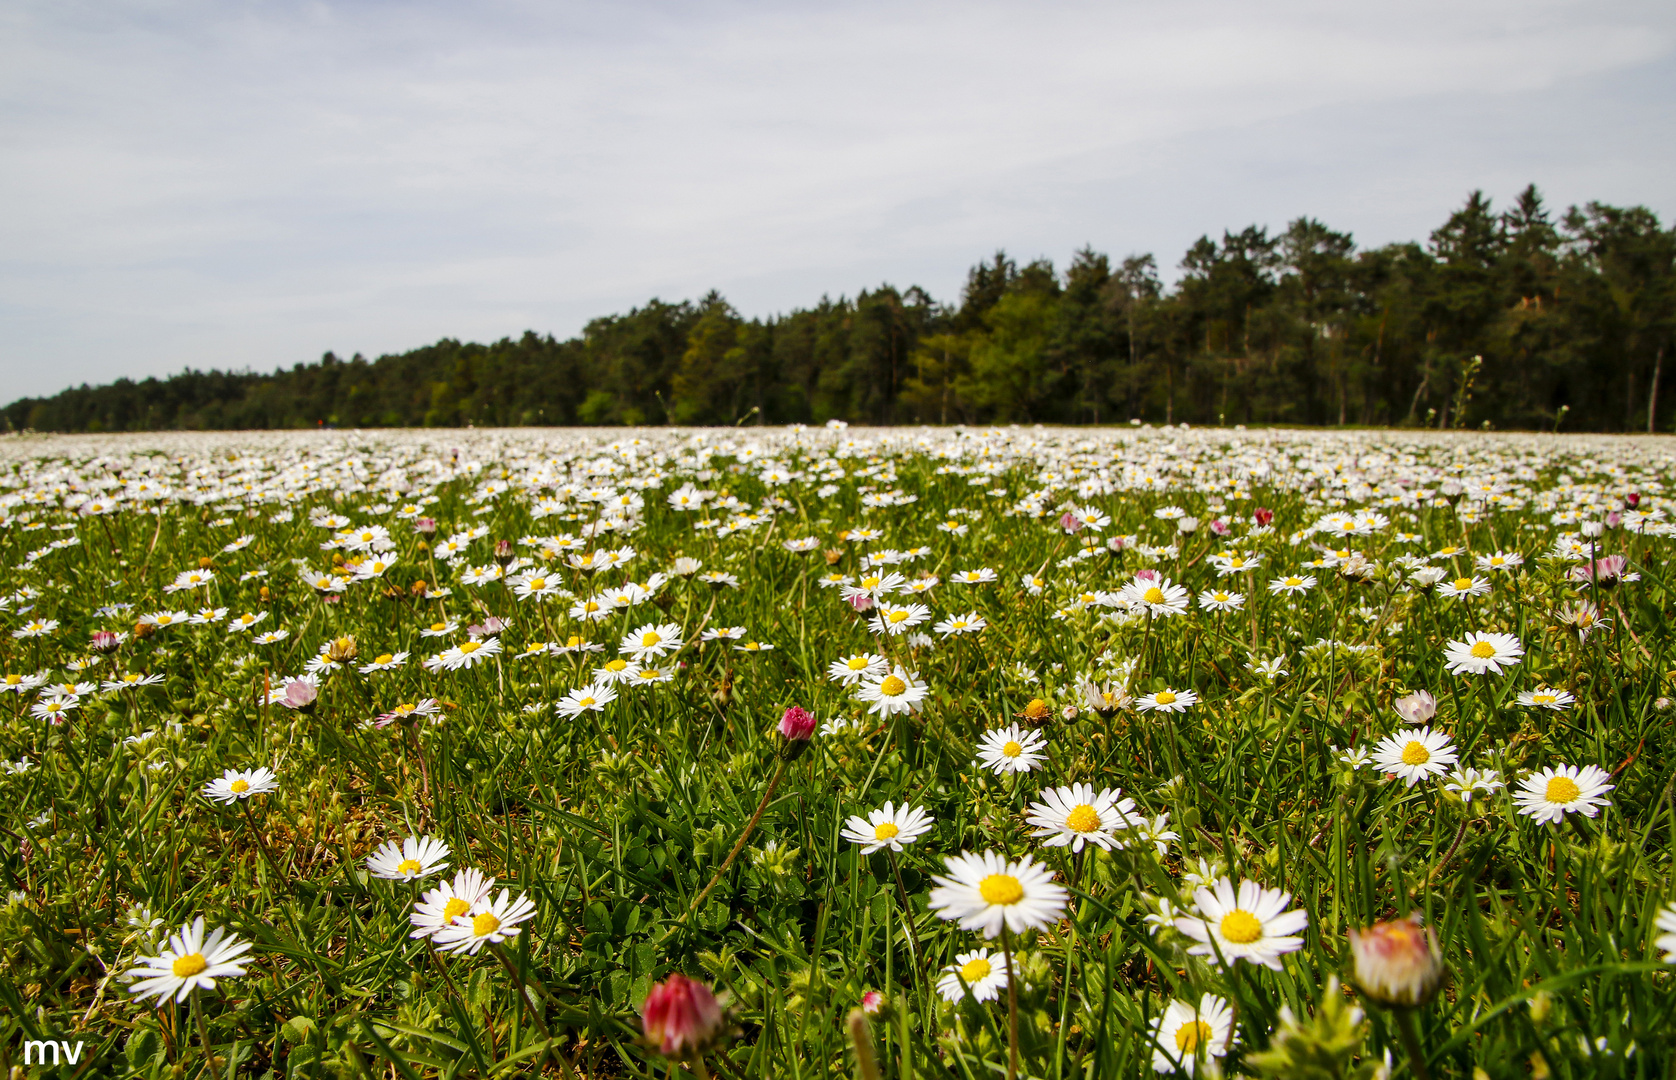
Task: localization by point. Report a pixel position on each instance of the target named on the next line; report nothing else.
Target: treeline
(1515, 319)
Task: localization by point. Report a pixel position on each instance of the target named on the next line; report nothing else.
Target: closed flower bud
(681, 1017)
(1416, 708)
(426, 526)
(503, 551)
(1397, 962)
(1263, 515)
(104, 641)
(1187, 525)
(796, 725)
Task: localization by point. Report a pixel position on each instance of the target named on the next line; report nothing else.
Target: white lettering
(38, 1049)
(71, 1056)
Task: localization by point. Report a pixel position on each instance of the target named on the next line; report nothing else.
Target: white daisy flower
(981, 973)
(1468, 782)
(1548, 796)
(651, 641)
(1187, 1035)
(412, 859)
(899, 692)
(985, 892)
(1415, 754)
(592, 697)
(187, 962)
(489, 922)
(1666, 921)
(1479, 653)
(439, 907)
(1075, 816)
(1544, 697)
(1250, 924)
(1011, 749)
(852, 669)
(888, 827)
(236, 784)
(1167, 701)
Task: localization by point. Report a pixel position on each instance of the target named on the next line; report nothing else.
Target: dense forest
(1518, 318)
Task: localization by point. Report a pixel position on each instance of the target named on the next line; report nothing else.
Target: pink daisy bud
(1070, 522)
(424, 525)
(861, 603)
(1632, 500)
(104, 641)
(299, 695)
(1219, 527)
(681, 1017)
(1397, 963)
(796, 724)
(1263, 515)
(1416, 708)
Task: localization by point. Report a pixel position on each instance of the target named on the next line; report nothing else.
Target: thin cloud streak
(214, 186)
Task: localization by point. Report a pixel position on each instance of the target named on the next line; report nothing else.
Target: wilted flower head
(1397, 963)
(342, 650)
(1416, 708)
(681, 1016)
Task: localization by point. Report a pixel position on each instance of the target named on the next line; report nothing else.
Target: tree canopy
(1518, 318)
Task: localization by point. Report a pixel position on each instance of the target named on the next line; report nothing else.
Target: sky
(242, 185)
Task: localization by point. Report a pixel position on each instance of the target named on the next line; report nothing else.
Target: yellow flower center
(855, 663)
(974, 971)
(239, 787)
(189, 965)
(1154, 595)
(438, 626)
(650, 638)
(650, 673)
(886, 830)
(384, 658)
(586, 702)
(575, 640)
(870, 582)
(892, 686)
(1415, 753)
(485, 924)
(1083, 818)
(1562, 789)
(1463, 583)
(898, 616)
(1189, 1036)
(1544, 699)
(1220, 598)
(616, 665)
(470, 647)
(1241, 927)
(409, 867)
(1294, 581)
(1012, 749)
(1000, 889)
(13, 680)
(1165, 697)
(1483, 650)
(538, 583)
(454, 908)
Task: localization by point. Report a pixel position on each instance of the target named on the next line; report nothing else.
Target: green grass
(614, 822)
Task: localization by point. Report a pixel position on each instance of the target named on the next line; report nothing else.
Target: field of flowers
(805, 753)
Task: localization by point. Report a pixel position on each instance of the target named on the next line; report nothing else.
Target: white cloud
(214, 185)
